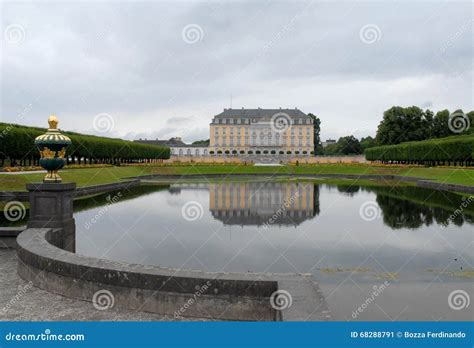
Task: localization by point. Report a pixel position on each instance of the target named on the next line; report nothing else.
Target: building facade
(189, 150)
(179, 148)
(261, 132)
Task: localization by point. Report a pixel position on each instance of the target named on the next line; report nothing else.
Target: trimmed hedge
(454, 150)
(17, 145)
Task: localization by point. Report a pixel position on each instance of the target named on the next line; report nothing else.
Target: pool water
(377, 252)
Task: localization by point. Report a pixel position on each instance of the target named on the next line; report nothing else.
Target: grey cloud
(130, 60)
(180, 119)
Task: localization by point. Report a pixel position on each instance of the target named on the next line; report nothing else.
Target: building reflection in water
(263, 203)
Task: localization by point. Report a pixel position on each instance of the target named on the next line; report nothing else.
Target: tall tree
(404, 124)
(349, 145)
(316, 131)
(440, 124)
(367, 142)
(201, 142)
(471, 122)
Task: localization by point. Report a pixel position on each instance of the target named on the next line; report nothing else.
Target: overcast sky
(162, 69)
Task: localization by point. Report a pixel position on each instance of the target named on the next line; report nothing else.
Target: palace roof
(260, 113)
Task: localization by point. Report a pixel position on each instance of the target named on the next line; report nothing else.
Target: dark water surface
(414, 246)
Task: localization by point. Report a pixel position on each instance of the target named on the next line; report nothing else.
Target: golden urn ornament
(52, 147)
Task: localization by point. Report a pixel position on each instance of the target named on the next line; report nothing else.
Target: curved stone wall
(221, 296)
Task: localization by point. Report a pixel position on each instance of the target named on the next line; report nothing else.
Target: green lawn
(95, 176)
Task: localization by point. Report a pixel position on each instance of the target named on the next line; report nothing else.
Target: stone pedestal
(51, 206)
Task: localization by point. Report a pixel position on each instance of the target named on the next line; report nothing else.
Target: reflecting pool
(377, 252)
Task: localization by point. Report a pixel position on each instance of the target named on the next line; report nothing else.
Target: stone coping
(23, 196)
(228, 296)
(427, 183)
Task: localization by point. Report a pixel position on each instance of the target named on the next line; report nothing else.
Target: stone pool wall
(218, 296)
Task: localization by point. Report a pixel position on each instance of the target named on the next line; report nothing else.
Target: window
(197, 152)
(188, 152)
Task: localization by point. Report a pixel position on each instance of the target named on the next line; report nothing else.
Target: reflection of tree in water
(413, 207)
(316, 209)
(350, 190)
(92, 202)
(102, 199)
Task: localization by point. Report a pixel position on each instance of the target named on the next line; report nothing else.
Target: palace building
(261, 132)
